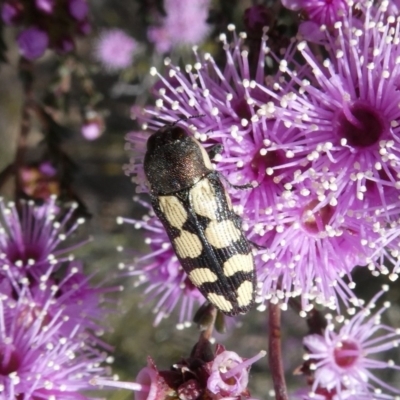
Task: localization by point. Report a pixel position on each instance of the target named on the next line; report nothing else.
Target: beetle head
(174, 160)
(167, 135)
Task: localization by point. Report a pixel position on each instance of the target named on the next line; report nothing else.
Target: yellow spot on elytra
(222, 234)
(173, 210)
(238, 263)
(202, 275)
(245, 293)
(188, 245)
(203, 199)
(220, 301)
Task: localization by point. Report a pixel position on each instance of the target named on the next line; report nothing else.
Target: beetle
(189, 198)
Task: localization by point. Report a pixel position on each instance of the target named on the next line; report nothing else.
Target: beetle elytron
(188, 197)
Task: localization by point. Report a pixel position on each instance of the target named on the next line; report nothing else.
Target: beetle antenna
(186, 118)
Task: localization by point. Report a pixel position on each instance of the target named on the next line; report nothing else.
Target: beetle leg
(214, 150)
(257, 246)
(244, 187)
(250, 185)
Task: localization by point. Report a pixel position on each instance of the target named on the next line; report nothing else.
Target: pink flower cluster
(319, 137)
(50, 315)
(206, 373)
(114, 49)
(185, 23)
(340, 361)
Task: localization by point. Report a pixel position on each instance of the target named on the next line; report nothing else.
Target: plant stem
(275, 353)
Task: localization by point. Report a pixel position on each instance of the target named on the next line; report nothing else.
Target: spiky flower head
(345, 110)
(34, 262)
(51, 317)
(319, 140)
(342, 360)
(31, 237)
(114, 49)
(37, 360)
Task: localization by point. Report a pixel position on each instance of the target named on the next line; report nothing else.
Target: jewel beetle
(189, 198)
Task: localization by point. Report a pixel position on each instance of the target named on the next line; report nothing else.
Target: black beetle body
(188, 197)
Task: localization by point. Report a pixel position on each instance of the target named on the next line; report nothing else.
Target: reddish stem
(275, 353)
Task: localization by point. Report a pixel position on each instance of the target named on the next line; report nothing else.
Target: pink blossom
(230, 374)
(46, 6)
(185, 24)
(320, 11)
(343, 360)
(114, 49)
(32, 43)
(78, 9)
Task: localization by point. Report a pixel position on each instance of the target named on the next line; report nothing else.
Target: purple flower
(303, 237)
(149, 384)
(225, 376)
(50, 317)
(341, 359)
(82, 306)
(32, 43)
(30, 237)
(11, 12)
(114, 49)
(78, 9)
(325, 394)
(30, 255)
(166, 283)
(394, 7)
(299, 230)
(318, 139)
(36, 361)
(230, 374)
(93, 127)
(325, 12)
(160, 37)
(346, 117)
(91, 130)
(185, 24)
(136, 145)
(345, 112)
(225, 98)
(46, 6)
(47, 169)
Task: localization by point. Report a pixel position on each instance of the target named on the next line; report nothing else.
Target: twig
(275, 353)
